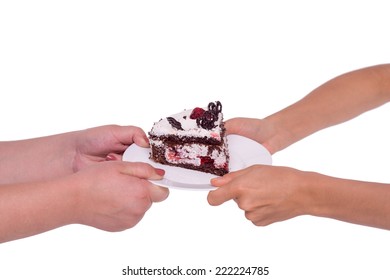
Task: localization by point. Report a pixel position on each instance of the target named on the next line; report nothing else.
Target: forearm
(36, 159)
(29, 209)
(364, 203)
(334, 102)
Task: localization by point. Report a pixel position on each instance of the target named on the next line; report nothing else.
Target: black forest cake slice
(193, 139)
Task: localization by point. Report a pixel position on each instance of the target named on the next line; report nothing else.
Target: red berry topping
(197, 113)
(206, 161)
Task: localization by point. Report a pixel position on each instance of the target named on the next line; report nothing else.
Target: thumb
(142, 170)
(157, 193)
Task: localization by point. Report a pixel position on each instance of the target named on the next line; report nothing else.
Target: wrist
(72, 191)
(65, 200)
(310, 202)
(321, 197)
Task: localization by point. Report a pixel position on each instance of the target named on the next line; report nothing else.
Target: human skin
(62, 154)
(111, 196)
(270, 194)
(75, 178)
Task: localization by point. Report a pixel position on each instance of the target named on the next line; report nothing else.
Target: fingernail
(110, 157)
(160, 172)
(214, 179)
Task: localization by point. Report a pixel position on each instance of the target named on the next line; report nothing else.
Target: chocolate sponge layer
(158, 155)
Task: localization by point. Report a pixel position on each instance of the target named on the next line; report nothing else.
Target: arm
(271, 194)
(334, 102)
(57, 155)
(111, 196)
(36, 159)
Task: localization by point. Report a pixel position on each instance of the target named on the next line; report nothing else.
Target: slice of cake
(193, 139)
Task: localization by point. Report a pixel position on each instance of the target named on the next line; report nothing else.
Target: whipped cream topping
(190, 128)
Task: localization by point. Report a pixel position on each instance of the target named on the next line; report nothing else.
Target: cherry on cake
(193, 139)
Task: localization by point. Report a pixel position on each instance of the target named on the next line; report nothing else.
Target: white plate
(243, 152)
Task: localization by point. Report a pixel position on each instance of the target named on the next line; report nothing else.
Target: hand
(112, 196)
(115, 195)
(267, 194)
(258, 130)
(105, 143)
(54, 156)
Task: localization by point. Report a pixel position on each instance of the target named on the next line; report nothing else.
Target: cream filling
(192, 154)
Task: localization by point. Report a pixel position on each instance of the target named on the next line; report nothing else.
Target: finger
(142, 170)
(141, 140)
(128, 135)
(227, 178)
(227, 188)
(113, 157)
(220, 181)
(220, 195)
(157, 193)
(260, 220)
(241, 126)
(233, 126)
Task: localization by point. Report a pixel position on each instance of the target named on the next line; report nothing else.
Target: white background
(69, 65)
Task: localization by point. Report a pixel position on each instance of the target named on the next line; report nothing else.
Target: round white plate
(243, 152)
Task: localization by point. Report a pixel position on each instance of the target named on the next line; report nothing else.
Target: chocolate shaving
(207, 120)
(215, 107)
(174, 123)
(210, 116)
